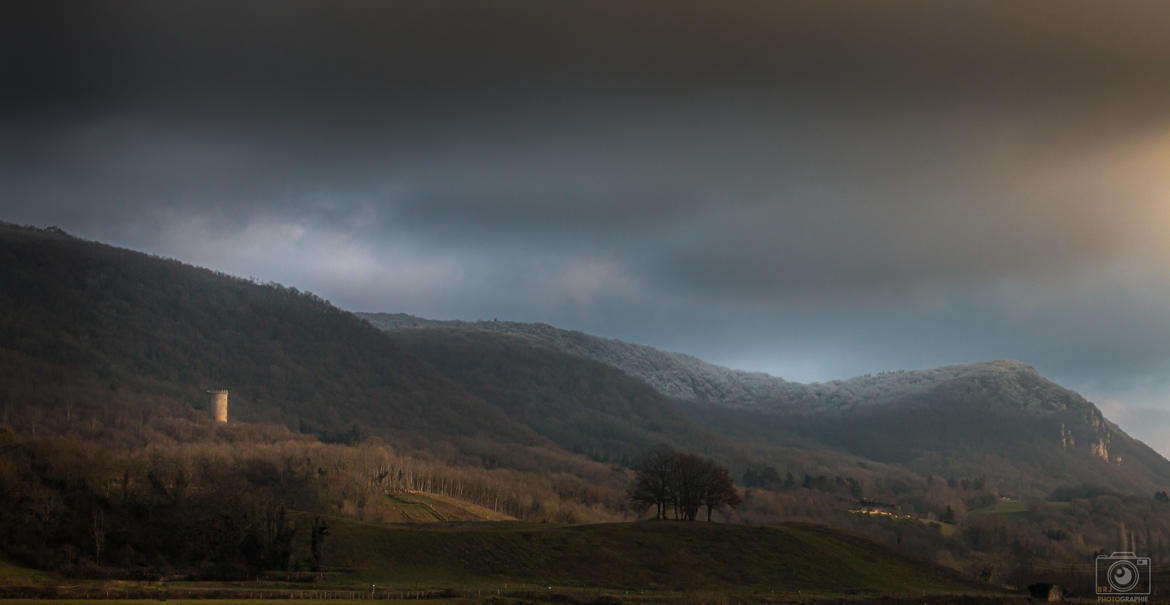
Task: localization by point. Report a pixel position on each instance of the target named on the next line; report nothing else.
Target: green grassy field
(946, 529)
(12, 573)
(429, 508)
(419, 507)
(1003, 507)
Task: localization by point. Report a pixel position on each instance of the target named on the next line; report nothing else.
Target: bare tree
(668, 480)
(652, 486)
(718, 489)
(98, 530)
(317, 533)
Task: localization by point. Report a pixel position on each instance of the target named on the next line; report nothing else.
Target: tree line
(236, 500)
(681, 484)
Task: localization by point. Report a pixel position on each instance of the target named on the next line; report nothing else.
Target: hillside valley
(112, 465)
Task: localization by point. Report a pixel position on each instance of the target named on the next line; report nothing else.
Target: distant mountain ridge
(688, 378)
(998, 418)
(676, 375)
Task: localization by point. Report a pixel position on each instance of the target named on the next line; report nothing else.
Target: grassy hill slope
(657, 560)
(666, 556)
(14, 573)
(420, 507)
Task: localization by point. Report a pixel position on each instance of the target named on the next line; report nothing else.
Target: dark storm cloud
(359, 62)
(816, 189)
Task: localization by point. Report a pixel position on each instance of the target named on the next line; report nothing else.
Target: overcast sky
(817, 190)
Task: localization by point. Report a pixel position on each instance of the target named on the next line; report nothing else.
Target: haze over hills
(999, 419)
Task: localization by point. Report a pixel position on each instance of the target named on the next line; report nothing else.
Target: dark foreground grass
(648, 562)
(656, 556)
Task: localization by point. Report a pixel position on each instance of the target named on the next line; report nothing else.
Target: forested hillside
(92, 335)
(1000, 419)
(675, 375)
(230, 501)
(582, 405)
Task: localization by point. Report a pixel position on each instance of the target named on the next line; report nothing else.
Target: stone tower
(219, 405)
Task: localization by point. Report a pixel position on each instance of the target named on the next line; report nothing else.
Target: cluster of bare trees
(672, 481)
(234, 500)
